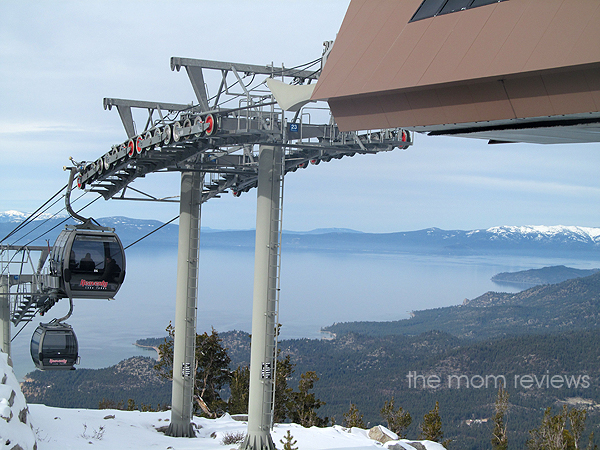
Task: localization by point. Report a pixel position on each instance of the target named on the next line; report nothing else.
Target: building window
(432, 8)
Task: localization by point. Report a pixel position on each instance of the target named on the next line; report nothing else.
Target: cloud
(39, 127)
(515, 185)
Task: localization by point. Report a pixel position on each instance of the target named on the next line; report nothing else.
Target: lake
(317, 289)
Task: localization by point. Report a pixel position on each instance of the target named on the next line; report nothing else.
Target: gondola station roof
(509, 70)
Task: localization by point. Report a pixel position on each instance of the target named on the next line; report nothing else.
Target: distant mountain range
(559, 240)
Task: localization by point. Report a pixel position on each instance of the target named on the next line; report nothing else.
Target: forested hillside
(545, 275)
(570, 305)
(133, 378)
(368, 371)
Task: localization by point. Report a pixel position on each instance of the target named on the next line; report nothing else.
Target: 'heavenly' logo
(96, 284)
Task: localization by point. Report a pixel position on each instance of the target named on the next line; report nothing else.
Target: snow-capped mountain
(12, 216)
(538, 233)
(558, 233)
(18, 216)
(530, 239)
(513, 239)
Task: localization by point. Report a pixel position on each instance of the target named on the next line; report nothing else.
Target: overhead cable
(43, 222)
(152, 232)
(29, 218)
(48, 219)
(57, 225)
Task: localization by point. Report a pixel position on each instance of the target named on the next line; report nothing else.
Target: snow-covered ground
(31, 427)
(63, 429)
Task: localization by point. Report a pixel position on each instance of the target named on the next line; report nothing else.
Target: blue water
(317, 289)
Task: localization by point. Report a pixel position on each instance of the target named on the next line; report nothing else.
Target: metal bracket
(127, 120)
(177, 62)
(124, 108)
(197, 80)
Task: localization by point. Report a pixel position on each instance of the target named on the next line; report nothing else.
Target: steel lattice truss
(22, 280)
(218, 135)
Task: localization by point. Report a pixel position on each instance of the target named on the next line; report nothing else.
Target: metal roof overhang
(565, 129)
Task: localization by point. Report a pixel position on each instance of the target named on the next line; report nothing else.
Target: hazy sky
(59, 59)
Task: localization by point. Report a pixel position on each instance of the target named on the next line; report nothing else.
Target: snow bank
(64, 429)
(407, 444)
(15, 428)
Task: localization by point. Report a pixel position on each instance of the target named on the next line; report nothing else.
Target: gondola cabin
(87, 261)
(54, 346)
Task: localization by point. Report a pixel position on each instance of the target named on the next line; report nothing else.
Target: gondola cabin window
(95, 263)
(35, 345)
(87, 262)
(54, 346)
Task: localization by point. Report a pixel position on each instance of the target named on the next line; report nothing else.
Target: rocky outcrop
(382, 434)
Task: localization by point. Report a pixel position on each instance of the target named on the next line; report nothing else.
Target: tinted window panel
(54, 343)
(88, 253)
(95, 259)
(432, 8)
(483, 2)
(454, 5)
(428, 8)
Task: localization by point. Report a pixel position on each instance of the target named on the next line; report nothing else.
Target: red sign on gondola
(94, 284)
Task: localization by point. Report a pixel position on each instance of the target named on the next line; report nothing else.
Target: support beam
(177, 63)
(197, 80)
(127, 120)
(184, 345)
(110, 102)
(5, 316)
(264, 312)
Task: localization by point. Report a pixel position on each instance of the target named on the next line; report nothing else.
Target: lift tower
(257, 127)
(267, 249)
(186, 300)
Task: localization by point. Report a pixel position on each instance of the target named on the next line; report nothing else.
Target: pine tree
(288, 441)
(577, 421)
(240, 390)
(353, 418)
(549, 435)
(212, 369)
(499, 435)
(591, 445)
(397, 420)
(283, 393)
(285, 369)
(431, 428)
(303, 404)
(299, 406)
(553, 434)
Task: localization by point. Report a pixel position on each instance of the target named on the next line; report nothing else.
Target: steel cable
(29, 218)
